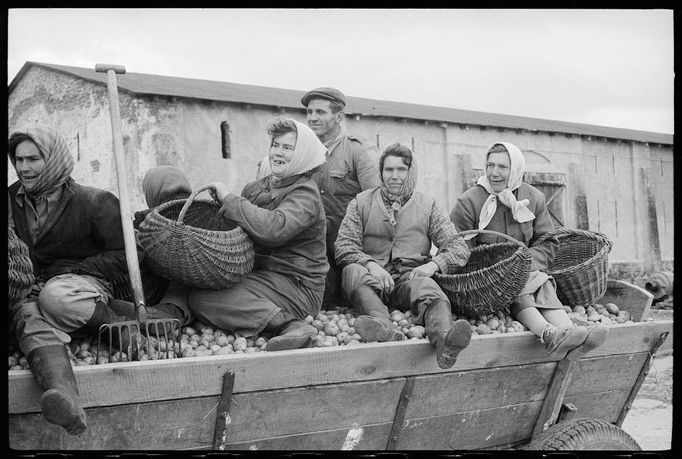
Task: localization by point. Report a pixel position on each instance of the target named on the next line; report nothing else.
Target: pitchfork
(132, 329)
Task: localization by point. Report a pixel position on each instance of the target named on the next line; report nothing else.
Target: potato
(331, 329)
(222, 341)
(239, 344)
(483, 329)
(322, 317)
(189, 331)
(415, 331)
(317, 323)
(493, 323)
(579, 310)
(309, 319)
(612, 308)
(260, 341)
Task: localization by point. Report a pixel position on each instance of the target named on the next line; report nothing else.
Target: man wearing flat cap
(351, 167)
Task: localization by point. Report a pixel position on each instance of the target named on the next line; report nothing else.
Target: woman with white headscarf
(500, 201)
(283, 214)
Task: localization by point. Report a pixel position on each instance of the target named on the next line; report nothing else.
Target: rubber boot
(449, 339)
(60, 402)
(103, 314)
(374, 323)
(559, 341)
(595, 337)
(289, 333)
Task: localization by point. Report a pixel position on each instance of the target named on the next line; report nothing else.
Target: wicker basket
(493, 276)
(190, 242)
(581, 264)
(153, 286)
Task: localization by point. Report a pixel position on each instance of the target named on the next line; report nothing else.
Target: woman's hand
(381, 275)
(218, 191)
(425, 270)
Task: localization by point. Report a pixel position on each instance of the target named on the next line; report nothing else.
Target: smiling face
(394, 173)
(321, 119)
(497, 170)
(29, 163)
(281, 152)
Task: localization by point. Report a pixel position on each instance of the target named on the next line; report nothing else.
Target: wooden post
(581, 216)
(652, 222)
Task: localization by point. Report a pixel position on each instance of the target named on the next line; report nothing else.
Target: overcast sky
(604, 67)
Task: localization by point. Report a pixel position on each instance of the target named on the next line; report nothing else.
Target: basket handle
(188, 203)
(494, 233)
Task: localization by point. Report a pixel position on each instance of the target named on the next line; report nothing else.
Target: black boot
(449, 339)
(289, 333)
(374, 322)
(60, 401)
(103, 314)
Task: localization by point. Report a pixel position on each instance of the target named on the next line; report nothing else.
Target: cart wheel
(584, 434)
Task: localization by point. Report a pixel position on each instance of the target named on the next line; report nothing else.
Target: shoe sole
(457, 339)
(60, 409)
(569, 343)
(595, 338)
(371, 330)
(284, 343)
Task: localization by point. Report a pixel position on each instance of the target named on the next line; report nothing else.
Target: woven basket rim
(167, 221)
(598, 257)
(481, 248)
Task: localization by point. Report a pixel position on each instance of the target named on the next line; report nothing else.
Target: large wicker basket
(493, 276)
(581, 264)
(189, 241)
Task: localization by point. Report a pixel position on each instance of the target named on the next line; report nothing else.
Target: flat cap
(332, 94)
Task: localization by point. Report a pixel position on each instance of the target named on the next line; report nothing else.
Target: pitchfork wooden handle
(188, 203)
(494, 233)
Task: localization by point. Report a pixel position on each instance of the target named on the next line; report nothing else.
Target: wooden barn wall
(621, 188)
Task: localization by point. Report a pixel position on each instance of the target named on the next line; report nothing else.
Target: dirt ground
(650, 420)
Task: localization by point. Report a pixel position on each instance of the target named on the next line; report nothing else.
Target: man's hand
(381, 275)
(218, 191)
(425, 270)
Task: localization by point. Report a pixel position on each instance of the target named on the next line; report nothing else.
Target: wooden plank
(633, 299)
(471, 429)
(555, 396)
(603, 405)
(256, 418)
(135, 382)
(606, 373)
(479, 389)
(370, 437)
(262, 415)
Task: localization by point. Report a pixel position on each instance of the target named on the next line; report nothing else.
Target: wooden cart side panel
(255, 418)
(358, 438)
(601, 374)
(441, 395)
(139, 382)
(598, 405)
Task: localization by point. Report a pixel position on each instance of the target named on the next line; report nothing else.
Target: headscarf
(58, 160)
(519, 209)
(164, 183)
(308, 153)
(394, 202)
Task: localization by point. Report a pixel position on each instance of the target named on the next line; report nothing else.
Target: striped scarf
(58, 160)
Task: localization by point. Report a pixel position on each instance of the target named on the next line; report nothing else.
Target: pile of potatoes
(334, 328)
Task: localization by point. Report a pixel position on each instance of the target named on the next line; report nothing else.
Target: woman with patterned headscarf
(75, 241)
(500, 201)
(384, 246)
(283, 214)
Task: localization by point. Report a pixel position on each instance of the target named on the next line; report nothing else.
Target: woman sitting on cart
(500, 201)
(283, 214)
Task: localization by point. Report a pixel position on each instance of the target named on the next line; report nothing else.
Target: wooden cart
(501, 393)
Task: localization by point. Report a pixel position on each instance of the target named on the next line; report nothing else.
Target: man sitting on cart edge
(523, 215)
(384, 245)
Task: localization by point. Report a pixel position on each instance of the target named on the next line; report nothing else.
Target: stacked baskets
(493, 276)
(190, 242)
(581, 264)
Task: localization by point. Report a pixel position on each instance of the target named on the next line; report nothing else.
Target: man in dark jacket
(75, 241)
(351, 167)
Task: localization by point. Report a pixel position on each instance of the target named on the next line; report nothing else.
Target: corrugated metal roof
(160, 85)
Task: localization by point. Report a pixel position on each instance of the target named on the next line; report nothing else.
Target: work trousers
(64, 305)
(409, 294)
(250, 305)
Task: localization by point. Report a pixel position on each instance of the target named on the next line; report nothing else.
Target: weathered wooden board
(470, 429)
(606, 373)
(604, 405)
(256, 418)
(138, 382)
(441, 395)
